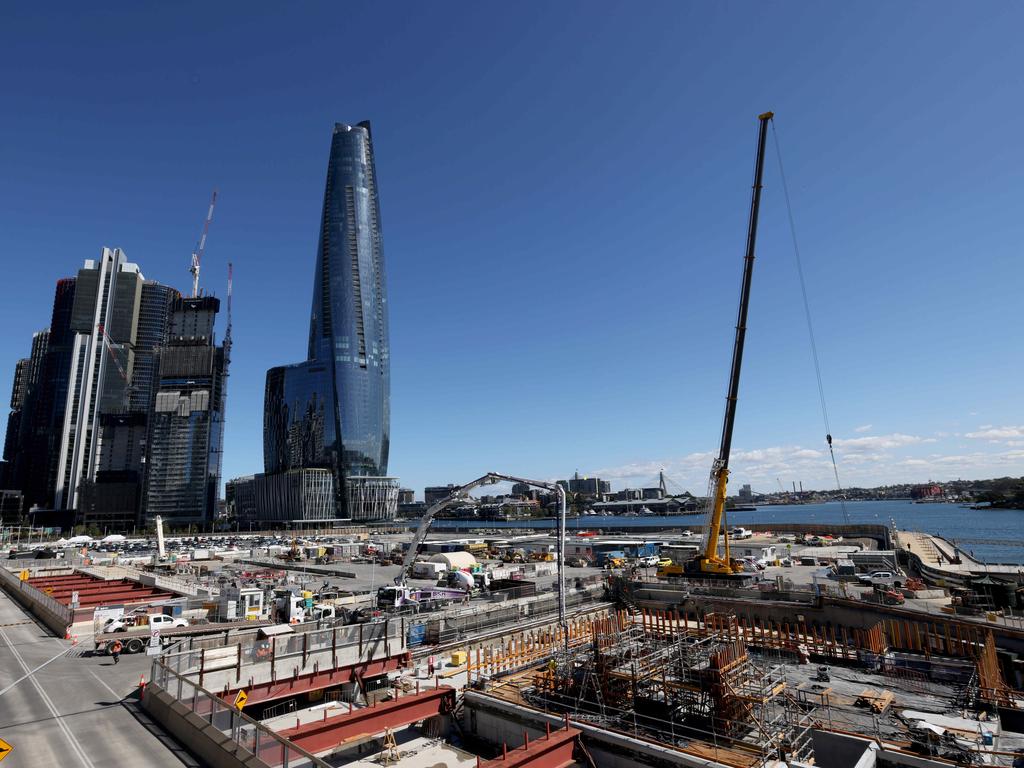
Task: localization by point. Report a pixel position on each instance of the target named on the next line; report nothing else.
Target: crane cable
(807, 315)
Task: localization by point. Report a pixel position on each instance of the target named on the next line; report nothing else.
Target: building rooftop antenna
(197, 254)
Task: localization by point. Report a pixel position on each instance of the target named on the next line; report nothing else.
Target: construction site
(612, 685)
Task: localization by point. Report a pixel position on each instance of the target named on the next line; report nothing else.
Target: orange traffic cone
(67, 633)
(74, 639)
(142, 684)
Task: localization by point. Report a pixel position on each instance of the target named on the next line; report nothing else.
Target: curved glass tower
(333, 410)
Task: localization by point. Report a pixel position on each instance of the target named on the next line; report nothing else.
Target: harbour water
(992, 535)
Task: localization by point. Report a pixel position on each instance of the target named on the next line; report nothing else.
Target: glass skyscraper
(333, 411)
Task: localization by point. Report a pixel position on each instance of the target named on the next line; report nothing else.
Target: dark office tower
(18, 388)
(36, 463)
(28, 376)
(154, 309)
(333, 410)
(186, 427)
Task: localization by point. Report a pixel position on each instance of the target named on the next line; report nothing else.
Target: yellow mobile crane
(709, 561)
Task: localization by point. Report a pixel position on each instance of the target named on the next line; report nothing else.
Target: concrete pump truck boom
(708, 561)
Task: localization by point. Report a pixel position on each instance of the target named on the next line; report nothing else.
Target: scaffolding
(695, 688)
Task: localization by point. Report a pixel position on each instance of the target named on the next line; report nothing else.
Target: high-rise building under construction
(186, 422)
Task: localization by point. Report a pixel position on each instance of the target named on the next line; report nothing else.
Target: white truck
(153, 621)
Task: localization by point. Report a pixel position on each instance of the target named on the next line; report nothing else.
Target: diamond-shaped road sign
(5, 749)
(240, 698)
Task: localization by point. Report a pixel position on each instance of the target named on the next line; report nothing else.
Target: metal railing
(247, 735)
(380, 638)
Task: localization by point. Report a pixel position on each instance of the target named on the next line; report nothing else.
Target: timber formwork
(694, 687)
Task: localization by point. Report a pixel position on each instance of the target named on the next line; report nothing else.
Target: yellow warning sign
(48, 590)
(5, 749)
(240, 698)
(24, 574)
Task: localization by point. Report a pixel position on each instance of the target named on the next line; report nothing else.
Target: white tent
(457, 560)
(113, 537)
(80, 540)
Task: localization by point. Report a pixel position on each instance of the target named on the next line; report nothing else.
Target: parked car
(882, 578)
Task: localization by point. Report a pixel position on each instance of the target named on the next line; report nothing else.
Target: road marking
(101, 682)
(58, 718)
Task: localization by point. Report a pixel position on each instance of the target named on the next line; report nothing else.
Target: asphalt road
(80, 711)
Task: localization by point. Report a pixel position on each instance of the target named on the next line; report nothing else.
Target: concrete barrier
(55, 616)
(207, 743)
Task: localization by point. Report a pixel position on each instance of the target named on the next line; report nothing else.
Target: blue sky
(564, 191)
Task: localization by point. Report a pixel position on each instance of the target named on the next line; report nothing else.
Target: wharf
(946, 563)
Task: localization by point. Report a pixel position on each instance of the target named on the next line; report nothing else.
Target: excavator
(708, 561)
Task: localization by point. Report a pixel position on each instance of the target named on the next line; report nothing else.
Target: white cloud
(894, 440)
(863, 428)
(864, 461)
(989, 432)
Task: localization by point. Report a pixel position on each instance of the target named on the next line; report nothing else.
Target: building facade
(332, 411)
(435, 493)
(77, 435)
(103, 324)
(186, 425)
(240, 499)
(283, 499)
(35, 464)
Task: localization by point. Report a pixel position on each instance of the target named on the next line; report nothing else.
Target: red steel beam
(62, 585)
(94, 592)
(286, 687)
(116, 598)
(67, 578)
(105, 590)
(126, 600)
(552, 750)
(324, 735)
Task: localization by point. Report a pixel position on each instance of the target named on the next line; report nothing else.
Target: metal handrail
(161, 672)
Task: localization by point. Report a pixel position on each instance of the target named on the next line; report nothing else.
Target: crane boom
(710, 561)
(457, 495)
(197, 254)
(488, 479)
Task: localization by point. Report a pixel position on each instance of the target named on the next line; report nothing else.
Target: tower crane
(709, 561)
(197, 254)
